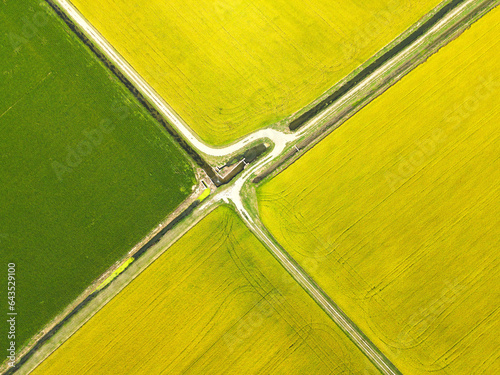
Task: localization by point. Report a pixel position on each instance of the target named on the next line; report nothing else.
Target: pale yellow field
(231, 67)
(216, 302)
(396, 214)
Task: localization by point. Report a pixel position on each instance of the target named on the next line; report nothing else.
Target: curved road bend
(233, 193)
(274, 135)
(156, 99)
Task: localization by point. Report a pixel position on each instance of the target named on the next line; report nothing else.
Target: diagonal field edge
(352, 331)
(137, 94)
(293, 155)
(426, 26)
(153, 241)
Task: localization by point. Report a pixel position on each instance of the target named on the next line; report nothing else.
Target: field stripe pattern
(229, 68)
(215, 302)
(86, 172)
(396, 214)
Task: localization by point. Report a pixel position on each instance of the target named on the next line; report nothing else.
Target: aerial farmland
(408, 242)
(81, 162)
(232, 297)
(231, 67)
(231, 187)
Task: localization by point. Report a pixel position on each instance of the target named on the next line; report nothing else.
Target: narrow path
(234, 195)
(156, 99)
(322, 299)
(274, 135)
(398, 59)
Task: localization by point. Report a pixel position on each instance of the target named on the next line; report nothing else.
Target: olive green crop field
(231, 67)
(216, 302)
(396, 214)
(85, 172)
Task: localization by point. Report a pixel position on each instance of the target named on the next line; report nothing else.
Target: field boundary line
(98, 299)
(352, 331)
(268, 133)
(90, 32)
(339, 112)
(380, 58)
(146, 96)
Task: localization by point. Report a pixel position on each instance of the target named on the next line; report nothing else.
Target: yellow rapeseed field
(216, 302)
(231, 67)
(397, 213)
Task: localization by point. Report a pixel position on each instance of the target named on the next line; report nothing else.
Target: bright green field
(396, 214)
(216, 302)
(230, 67)
(64, 224)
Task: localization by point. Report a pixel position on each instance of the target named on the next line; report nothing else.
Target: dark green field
(85, 171)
